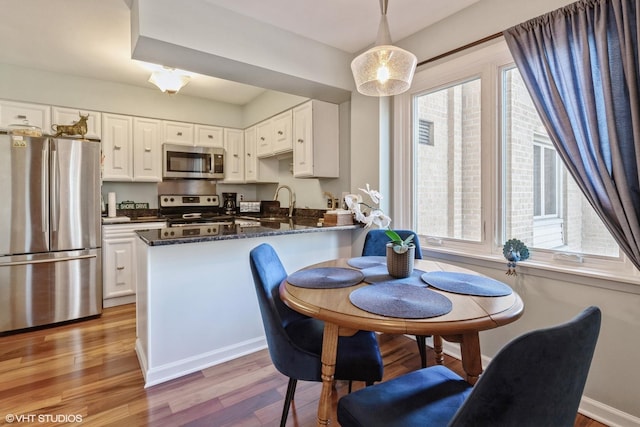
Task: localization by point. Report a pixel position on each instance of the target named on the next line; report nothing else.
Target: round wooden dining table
(469, 315)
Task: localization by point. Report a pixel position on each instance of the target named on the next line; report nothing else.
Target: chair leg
(437, 347)
(291, 390)
(422, 342)
(350, 384)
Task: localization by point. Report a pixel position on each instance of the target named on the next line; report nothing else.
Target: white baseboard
(588, 407)
(159, 374)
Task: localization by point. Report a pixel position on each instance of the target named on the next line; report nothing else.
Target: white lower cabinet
(119, 262)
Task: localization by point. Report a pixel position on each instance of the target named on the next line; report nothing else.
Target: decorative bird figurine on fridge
(514, 250)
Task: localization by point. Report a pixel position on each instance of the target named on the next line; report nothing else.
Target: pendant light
(383, 70)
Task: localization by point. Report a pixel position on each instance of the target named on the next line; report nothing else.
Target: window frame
(488, 62)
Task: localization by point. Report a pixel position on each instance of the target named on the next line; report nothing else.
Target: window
(490, 172)
(448, 177)
(542, 203)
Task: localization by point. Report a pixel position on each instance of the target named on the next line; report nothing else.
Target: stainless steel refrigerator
(50, 231)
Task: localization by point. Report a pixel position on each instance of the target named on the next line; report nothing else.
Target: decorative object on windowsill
(77, 128)
(400, 253)
(383, 70)
(514, 250)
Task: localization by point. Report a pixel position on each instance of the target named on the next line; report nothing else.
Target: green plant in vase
(399, 245)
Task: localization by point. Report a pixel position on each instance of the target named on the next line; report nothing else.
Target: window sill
(582, 276)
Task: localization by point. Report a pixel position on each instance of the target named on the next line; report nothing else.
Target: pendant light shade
(383, 70)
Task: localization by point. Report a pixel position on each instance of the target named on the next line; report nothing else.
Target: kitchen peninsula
(196, 304)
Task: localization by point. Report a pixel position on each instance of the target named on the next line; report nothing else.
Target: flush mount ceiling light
(383, 70)
(169, 80)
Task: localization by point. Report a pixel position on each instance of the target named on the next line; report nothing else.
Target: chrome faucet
(292, 199)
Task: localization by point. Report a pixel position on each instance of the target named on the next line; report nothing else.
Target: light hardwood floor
(88, 370)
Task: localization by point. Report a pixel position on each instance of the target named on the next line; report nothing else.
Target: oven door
(181, 161)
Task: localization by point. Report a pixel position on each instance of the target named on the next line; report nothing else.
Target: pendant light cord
(384, 5)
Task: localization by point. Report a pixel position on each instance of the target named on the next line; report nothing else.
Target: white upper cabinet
(69, 116)
(209, 136)
(117, 150)
(147, 150)
(178, 132)
(282, 133)
(18, 113)
(234, 155)
(264, 138)
(255, 169)
(316, 140)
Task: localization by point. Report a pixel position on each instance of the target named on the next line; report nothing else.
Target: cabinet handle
(116, 146)
(147, 149)
(262, 138)
(119, 268)
(300, 140)
(179, 133)
(248, 154)
(21, 116)
(210, 136)
(280, 132)
(235, 155)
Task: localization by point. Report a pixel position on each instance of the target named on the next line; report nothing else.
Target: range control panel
(181, 200)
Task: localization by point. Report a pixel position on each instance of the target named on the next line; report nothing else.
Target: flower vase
(400, 265)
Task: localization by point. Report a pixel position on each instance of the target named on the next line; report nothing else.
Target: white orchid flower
(374, 194)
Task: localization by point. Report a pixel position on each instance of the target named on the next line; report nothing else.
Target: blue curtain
(580, 65)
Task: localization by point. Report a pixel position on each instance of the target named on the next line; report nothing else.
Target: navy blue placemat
(467, 284)
(381, 274)
(367, 261)
(400, 300)
(326, 277)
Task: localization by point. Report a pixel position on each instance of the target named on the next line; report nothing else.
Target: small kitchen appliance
(229, 203)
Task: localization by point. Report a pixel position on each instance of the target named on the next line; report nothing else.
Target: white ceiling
(91, 38)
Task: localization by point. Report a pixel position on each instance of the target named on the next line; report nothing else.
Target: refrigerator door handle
(55, 190)
(44, 261)
(45, 190)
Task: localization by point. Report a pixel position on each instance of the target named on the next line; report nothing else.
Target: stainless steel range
(180, 210)
(190, 215)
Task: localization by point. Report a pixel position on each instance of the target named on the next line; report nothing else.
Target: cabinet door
(17, 112)
(209, 136)
(117, 147)
(303, 140)
(119, 267)
(68, 116)
(178, 132)
(264, 138)
(147, 150)
(234, 155)
(282, 142)
(250, 157)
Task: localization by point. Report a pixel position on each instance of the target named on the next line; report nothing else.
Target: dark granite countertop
(235, 231)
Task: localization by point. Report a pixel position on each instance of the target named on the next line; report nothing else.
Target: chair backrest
(537, 379)
(375, 242)
(291, 360)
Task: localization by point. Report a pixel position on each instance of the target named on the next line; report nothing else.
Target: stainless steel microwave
(184, 161)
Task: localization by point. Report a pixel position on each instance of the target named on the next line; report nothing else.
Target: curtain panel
(580, 65)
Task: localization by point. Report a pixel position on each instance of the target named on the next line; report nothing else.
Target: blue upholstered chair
(535, 380)
(375, 244)
(295, 340)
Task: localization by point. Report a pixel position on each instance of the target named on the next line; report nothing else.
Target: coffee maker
(229, 203)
